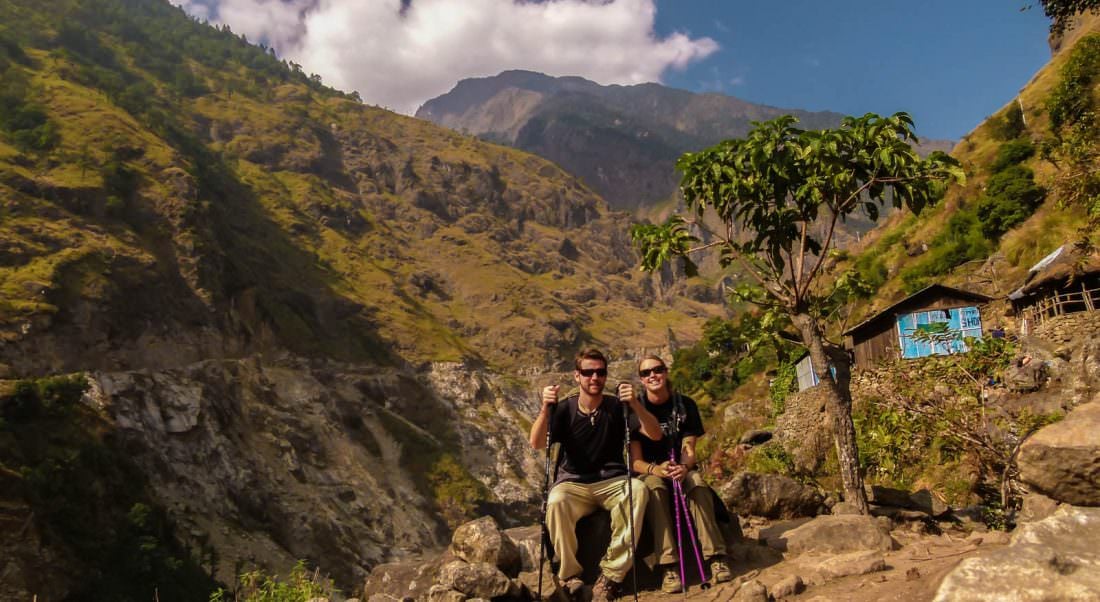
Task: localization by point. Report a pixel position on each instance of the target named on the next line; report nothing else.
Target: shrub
(961, 241)
(1011, 197)
(300, 586)
(1011, 153)
(1008, 126)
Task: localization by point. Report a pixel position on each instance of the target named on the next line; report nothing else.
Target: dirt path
(913, 573)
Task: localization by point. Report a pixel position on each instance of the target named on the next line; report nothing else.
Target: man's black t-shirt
(690, 425)
(591, 445)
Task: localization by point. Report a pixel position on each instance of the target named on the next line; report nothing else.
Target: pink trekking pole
(681, 499)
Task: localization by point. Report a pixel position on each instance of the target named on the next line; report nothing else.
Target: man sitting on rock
(592, 471)
(682, 426)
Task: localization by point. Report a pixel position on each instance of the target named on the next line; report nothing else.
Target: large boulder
(1062, 460)
(923, 501)
(770, 495)
(829, 535)
(475, 579)
(482, 540)
(404, 580)
(1056, 558)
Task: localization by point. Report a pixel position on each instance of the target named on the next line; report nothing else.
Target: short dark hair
(589, 354)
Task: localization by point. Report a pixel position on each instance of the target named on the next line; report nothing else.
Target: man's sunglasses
(588, 372)
(644, 372)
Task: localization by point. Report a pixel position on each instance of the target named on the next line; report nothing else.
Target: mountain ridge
(621, 140)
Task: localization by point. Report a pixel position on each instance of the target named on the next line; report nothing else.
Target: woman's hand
(676, 472)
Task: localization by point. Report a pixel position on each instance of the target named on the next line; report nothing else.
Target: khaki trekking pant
(661, 514)
(570, 502)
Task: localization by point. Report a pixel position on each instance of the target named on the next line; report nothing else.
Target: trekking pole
(678, 493)
(679, 532)
(545, 499)
(629, 487)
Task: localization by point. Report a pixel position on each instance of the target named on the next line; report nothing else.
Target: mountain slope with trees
(306, 323)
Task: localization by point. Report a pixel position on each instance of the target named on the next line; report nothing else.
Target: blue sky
(950, 64)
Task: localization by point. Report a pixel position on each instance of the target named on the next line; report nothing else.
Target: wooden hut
(1065, 281)
(889, 333)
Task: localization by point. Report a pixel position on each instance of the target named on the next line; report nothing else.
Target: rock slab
(1056, 558)
(770, 495)
(1062, 460)
(830, 535)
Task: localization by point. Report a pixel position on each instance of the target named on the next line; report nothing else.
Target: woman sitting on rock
(658, 467)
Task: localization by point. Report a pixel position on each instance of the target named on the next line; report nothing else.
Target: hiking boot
(572, 588)
(670, 583)
(719, 570)
(605, 589)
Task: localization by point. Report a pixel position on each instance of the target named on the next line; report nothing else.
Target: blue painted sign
(961, 321)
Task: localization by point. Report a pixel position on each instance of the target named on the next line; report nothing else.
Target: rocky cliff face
(274, 460)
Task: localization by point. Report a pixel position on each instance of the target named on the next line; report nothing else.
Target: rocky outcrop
(770, 496)
(923, 501)
(1054, 559)
(829, 535)
(482, 541)
(338, 458)
(1062, 460)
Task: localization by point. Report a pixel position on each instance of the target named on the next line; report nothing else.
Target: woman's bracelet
(649, 469)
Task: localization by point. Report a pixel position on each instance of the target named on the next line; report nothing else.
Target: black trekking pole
(543, 535)
(629, 487)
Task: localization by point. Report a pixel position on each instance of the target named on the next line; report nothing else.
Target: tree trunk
(838, 400)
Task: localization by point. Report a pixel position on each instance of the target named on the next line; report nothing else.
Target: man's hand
(549, 396)
(626, 392)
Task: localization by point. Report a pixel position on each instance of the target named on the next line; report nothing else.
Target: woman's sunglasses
(644, 372)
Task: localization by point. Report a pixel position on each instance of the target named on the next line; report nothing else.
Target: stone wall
(804, 429)
(1063, 329)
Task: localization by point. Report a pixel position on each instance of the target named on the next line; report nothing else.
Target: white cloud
(400, 58)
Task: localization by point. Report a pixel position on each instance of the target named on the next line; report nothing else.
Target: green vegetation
(1062, 12)
(783, 386)
(935, 424)
(1009, 125)
(771, 459)
(24, 120)
(972, 233)
(89, 499)
(729, 353)
(300, 586)
(780, 184)
(1074, 142)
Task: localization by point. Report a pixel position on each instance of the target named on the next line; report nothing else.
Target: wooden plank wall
(880, 339)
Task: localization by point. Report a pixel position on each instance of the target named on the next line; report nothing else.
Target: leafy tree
(1061, 11)
(780, 193)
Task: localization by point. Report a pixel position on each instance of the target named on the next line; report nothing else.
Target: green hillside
(1031, 186)
(173, 193)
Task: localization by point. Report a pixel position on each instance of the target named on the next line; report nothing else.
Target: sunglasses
(644, 372)
(588, 372)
